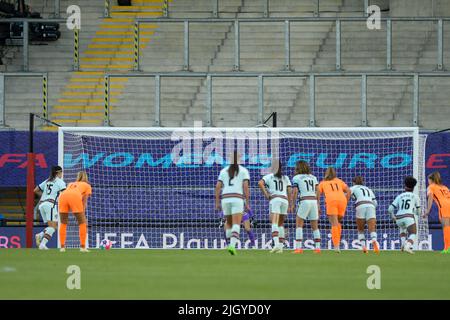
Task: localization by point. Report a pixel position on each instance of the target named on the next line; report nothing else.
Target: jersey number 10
(278, 185)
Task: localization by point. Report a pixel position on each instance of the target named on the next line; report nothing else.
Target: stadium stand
(12, 205)
(76, 98)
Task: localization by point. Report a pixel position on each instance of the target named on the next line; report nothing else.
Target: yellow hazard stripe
(113, 79)
(95, 93)
(106, 66)
(84, 100)
(113, 46)
(93, 86)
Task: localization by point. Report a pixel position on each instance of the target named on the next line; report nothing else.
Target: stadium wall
(419, 8)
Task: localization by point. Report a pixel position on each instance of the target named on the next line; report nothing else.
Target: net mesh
(155, 188)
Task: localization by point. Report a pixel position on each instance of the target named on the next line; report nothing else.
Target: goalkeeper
(247, 220)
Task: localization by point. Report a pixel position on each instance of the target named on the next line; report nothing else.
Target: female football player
(247, 222)
(365, 204)
(403, 211)
(233, 187)
(276, 188)
(337, 195)
(440, 194)
(305, 186)
(49, 191)
(74, 199)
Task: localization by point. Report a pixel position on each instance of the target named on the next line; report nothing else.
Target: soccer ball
(105, 244)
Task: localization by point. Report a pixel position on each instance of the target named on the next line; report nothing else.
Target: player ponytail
(302, 167)
(279, 173)
(233, 170)
(54, 173)
(82, 176)
(330, 174)
(435, 177)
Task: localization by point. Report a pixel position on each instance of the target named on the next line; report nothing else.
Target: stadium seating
(76, 98)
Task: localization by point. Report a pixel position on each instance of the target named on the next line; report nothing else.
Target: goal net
(154, 187)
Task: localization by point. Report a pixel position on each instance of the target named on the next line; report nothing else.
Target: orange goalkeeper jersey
(333, 190)
(80, 186)
(441, 196)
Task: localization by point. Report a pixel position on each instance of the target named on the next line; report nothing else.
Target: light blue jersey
(52, 189)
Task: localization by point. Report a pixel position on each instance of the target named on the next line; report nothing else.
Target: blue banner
(15, 237)
(13, 156)
(438, 159)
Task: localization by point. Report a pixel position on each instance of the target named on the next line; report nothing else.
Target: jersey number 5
(49, 188)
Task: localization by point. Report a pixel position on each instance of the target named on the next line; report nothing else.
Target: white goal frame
(413, 131)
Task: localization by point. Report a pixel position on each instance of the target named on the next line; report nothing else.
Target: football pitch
(214, 274)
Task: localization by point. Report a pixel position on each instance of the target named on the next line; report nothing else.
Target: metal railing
(287, 36)
(44, 77)
(261, 76)
(215, 12)
(237, 41)
(25, 40)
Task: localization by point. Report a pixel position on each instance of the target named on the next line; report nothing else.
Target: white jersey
(277, 186)
(51, 189)
(406, 203)
(362, 195)
(233, 186)
(306, 185)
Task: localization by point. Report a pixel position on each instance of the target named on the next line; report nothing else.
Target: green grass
(215, 274)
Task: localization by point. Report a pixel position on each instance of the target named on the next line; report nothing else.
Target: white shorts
(308, 210)
(278, 206)
(232, 206)
(404, 223)
(49, 212)
(366, 212)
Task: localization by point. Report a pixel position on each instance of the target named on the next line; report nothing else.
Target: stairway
(110, 49)
(12, 205)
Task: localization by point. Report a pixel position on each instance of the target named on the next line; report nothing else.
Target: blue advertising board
(13, 156)
(15, 237)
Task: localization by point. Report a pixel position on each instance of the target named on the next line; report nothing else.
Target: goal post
(154, 187)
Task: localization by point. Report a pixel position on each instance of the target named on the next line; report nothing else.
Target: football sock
(235, 231)
(228, 235)
(281, 234)
(62, 234)
(402, 239)
(251, 236)
(373, 236)
(410, 241)
(335, 235)
(446, 237)
(275, 235)
(362, 239)
(47, 235)
(83, 231)
(298, 238)
(316, 235)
